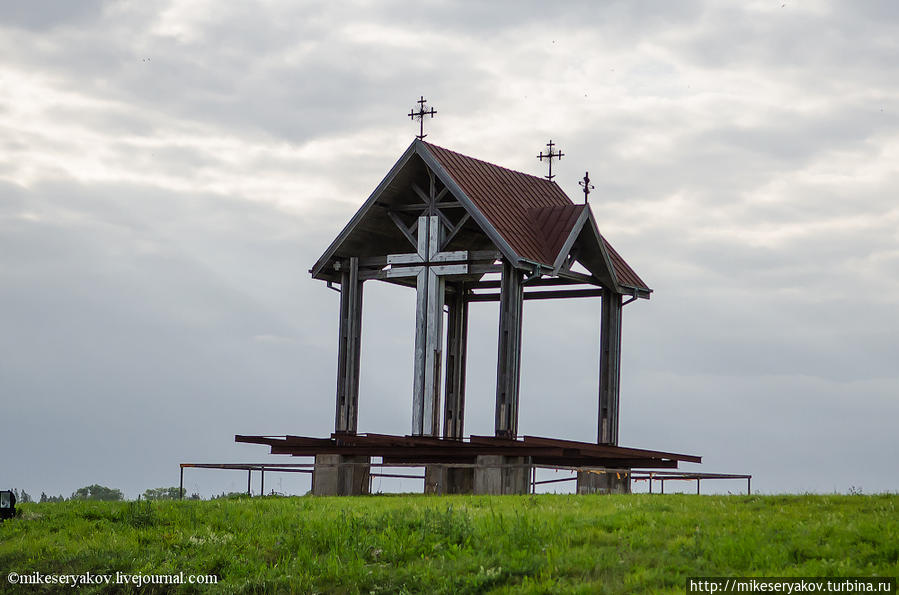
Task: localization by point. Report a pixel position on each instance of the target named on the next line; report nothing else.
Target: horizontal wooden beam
(540, 295)
(473, 256)
(421, 207)
(537, 282)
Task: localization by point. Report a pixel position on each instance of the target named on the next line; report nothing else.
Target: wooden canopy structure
(440, 221)
(448, 225)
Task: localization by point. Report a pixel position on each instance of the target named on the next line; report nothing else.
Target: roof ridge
(491, 164)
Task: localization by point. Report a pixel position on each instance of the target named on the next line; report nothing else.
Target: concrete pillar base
(445, 479)
(497, 474)
(339, 475)
(603, 482)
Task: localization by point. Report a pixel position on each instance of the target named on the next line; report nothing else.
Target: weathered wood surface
(349, 348)
(609, 367)
(509, 352)
(456, 353)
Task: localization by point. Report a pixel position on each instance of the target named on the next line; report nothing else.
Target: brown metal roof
(507, 199)
(524, 216)
(555, 225)
(532, 214)
(626, 275)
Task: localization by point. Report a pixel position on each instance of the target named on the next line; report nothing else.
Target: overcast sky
(169, 171)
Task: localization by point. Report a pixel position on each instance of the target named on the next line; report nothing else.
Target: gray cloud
(168, 174)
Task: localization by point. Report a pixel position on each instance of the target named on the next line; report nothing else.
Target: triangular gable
(573, 229)
(388, 185)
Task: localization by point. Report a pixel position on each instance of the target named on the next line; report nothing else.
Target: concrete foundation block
(497, 474)
(446, 479)
(603, 482)
(339, 475)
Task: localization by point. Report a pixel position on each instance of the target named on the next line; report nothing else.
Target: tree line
(100, 493)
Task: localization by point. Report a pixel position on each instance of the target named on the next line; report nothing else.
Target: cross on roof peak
(587, 186)
(420, 115)
(549, 156)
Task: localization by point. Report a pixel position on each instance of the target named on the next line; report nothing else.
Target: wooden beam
(349, 348)
(456, 353)
(580, 277)
(539, 295)
(402, 227)
(428, 333)
(537, 282)
(509, 352)
(609, 367)
(452, 233)
(473, 256)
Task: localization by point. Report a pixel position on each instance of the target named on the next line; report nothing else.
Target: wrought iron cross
(549, 157)
(587, 186)
(420, 114)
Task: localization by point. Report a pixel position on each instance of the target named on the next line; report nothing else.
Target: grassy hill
(457, 544)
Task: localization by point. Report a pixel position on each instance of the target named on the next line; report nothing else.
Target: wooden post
(456, 348)
(349, 347)
(509, 356)
(428, 333)
(609, 367)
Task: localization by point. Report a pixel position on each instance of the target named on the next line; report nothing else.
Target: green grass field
(457, 544)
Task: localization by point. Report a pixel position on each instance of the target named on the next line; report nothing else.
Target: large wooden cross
(429, 266)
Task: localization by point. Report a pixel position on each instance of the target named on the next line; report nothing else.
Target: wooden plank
(421, 326)
(429, 332)
(458, 255)
(456, 353)
(582, 278)
(349, 348)
(609, 367)
(539, 295)
(397, 272)
(401, 226)
(393, 259)
(434, 352)
(462, 221)
(419, 208)
(473, 256)
(450, 269)
(483, 269)
(421, 194)
(509, 352)
(536, 282)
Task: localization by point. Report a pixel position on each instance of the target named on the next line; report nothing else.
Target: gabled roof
(529, 219)
(507, 198)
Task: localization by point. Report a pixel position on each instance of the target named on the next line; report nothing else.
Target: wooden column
(456, 348)
(509, 357)
(349, 347)
(428, 333)
(609, 367)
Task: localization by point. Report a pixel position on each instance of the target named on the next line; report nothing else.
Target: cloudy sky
(169, 171)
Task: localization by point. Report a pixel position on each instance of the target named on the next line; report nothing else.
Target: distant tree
(22, 497)
(231, 496)
(97, 492)
(46, 498)
(162, 494)
(195, 496)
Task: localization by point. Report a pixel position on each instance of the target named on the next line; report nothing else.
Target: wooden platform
(406, 450)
